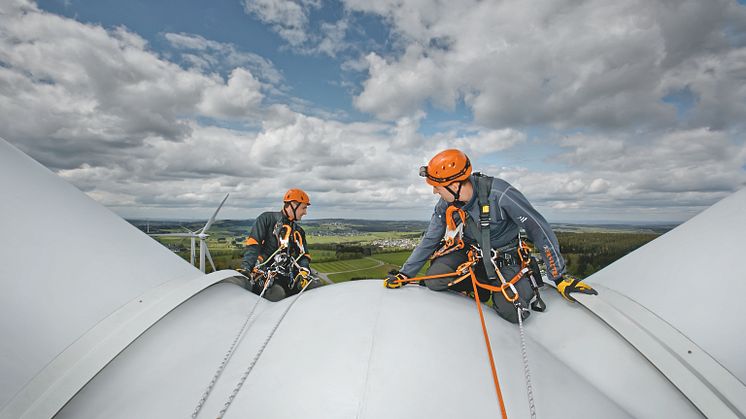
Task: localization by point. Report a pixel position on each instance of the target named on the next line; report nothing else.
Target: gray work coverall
(509, 212)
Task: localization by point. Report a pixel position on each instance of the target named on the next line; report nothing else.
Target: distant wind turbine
(202, 235)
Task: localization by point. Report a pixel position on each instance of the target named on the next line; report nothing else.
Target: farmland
(344, 250)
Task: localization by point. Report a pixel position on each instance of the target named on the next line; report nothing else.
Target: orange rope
(489, 347)
(488, 287)
(421, 278)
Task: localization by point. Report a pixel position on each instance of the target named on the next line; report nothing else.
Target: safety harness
(453, 241)
(282, 262)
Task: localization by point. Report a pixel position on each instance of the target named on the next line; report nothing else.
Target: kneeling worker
(480, 212)
(279, 244)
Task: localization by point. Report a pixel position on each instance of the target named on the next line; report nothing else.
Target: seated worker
(278, 243)
(468, 202)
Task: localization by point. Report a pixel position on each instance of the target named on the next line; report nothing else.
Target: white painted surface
(358, 350)
(692, 277)
(69, 264)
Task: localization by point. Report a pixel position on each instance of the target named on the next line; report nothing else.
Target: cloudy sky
(597, 110)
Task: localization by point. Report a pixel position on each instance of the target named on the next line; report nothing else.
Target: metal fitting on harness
(484, 216)
(453, 239)
(281, 265)
(494, 255)
(503, 259)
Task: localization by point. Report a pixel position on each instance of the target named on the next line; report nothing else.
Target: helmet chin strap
(457, 194)
(294, 208)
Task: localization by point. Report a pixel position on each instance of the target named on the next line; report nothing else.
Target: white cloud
(211, 55)
(76, 92)
(599, 64)
(332, 38)
(396, 90)
(240, 97)
(622, 178)
(288, 18)
(128, 125)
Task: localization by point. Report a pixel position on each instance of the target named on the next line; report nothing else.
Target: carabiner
(284, 237)
(512, 289)
(298, 238)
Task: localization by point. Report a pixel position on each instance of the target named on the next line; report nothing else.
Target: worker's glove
(244, 272)
(569, 284)
(394, 279)
(305, 277)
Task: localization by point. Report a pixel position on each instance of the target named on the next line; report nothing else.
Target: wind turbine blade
(212, 219)
(171, 234)
(209, 257)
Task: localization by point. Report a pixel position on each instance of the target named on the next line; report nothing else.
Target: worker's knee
(438, 267)
(274, 293)
(507, 309)
(438, 284)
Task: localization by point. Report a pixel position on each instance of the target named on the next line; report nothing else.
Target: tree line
(587, 253)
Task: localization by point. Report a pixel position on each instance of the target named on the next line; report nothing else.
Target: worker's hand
(569, 284)
(394, 279)
(244, 272)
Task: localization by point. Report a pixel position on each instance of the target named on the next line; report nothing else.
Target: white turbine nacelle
(202, 235)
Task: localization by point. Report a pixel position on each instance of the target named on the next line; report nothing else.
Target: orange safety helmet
(446, 167)
(296, 195)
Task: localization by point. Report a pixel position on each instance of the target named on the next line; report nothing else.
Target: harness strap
(483, 186)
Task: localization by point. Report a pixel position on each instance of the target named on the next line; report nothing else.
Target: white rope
(246, 373)
(228, 355)
(526, 371)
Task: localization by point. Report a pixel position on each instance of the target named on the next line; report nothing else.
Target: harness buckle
(484, 216)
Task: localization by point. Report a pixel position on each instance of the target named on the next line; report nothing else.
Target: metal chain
(228, 355)
(246, 373)
(526, 371)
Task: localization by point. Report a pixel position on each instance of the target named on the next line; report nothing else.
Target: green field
(358, 238)
(395, 258)
(373, 273)
(319, 255)
(377, 266)
(346, 265)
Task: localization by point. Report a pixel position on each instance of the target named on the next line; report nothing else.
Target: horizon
(597, 223)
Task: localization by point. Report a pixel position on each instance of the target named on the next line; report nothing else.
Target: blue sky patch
(683, 100)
